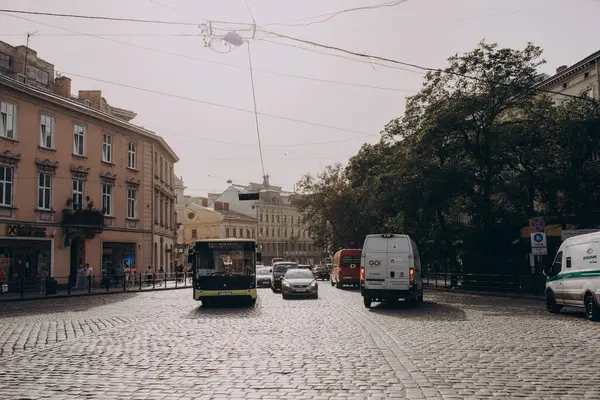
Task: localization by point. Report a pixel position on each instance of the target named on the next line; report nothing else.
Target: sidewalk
(96, 291)
(511, 295)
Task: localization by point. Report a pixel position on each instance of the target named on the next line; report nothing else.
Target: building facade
(280, 230)
(580, 79)
(76, 180)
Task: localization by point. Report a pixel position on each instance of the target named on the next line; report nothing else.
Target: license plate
(301, 290)
(224, 293)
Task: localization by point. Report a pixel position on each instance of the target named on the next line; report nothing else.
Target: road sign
(537, 224)
(538, 239)
(539, 251)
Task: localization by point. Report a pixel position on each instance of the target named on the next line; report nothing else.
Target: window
(132, 156)
(261, 218)
(107, 141)
(585, 75)
(234, 232)
(162, 210)
(6, 185)
(273, 232)
(160, 166)
(170, 177)
(8, 119)
(253, 233)
(247, 233)
(292, 233)
(267, 218)
(194, 234)
(45, 191)
(156, 208)
(41, 77)
(285, 219)
(78, 193)
(292, 221)
(262, 232)
(79, 140)
(47, 132)
(589, 93)
(132, 203)
(107, 194)
(557, 265)
(285, 232)
(278, 219)
(155, 164)
(565, 85)
(4, 61)
(226, 232)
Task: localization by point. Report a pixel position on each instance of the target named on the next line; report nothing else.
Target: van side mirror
(568, 262)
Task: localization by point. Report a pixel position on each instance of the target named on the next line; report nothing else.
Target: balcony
(87, 221)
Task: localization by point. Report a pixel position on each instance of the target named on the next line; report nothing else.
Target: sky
(205, 109)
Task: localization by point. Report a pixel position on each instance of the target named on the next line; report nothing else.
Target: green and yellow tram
(224, 269)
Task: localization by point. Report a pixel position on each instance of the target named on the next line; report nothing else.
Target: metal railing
(73, 286)
(531, 284)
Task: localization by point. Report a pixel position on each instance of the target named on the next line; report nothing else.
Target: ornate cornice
(46, 165)
(79, 171)
(108, 176)
(9, 158)
(133, 181)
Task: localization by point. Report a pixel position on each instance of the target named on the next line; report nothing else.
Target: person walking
(80, 284)
(89, 275)
(149, 276)
(161, 276)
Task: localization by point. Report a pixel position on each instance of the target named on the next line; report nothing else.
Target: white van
(390, 269)
(574, 278)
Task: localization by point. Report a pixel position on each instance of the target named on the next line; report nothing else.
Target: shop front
(116, 256)
(25, 253)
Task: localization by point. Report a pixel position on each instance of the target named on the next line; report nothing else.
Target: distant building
(580, 79)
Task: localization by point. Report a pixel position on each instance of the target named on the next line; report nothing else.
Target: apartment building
(280, 229)
(78, 182)
(580, 79)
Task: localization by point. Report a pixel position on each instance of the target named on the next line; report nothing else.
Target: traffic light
(248, 196)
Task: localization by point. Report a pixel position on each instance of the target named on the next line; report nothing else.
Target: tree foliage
(477, 153)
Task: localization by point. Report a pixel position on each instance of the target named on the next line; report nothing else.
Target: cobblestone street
(163, 345)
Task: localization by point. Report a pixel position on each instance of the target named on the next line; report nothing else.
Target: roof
(553, 80)
(230, 215)
(80, 108)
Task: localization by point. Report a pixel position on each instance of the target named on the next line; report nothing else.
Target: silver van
(390, 269)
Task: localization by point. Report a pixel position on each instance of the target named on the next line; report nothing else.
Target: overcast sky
(218, 143)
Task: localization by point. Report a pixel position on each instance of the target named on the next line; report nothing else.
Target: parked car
(572, 280)
(299, 282)
(321, 272)
(279, 270)
(391, 269)
(263, 277)
(346, 268)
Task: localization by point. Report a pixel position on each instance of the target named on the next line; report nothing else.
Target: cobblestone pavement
(163, 345)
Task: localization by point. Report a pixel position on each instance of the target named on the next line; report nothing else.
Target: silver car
(263, 277)
(299, 282)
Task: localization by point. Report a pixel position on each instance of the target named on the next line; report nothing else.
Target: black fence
(48, 286)
(530, 284)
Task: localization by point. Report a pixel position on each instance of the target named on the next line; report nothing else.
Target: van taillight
(411, 275)
(362, 274)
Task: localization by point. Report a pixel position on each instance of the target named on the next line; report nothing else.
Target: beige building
(280, 230)
(78, 182)
(200, 223)
(580, 79)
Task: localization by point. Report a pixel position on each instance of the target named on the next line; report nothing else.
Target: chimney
(63, 86)
(226, 206)
(561, 69)
(204, 202)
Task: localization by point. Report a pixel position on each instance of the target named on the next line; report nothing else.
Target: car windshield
(281, 268)
(299, 274)
(263, 271)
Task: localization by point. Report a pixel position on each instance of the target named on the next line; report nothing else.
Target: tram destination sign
(25, 230)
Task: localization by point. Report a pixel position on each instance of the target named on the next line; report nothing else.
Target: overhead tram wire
(420, 67)
(210, 61)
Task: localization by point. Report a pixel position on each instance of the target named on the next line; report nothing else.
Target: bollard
(22, 286)
(140, 281)
(184, 279)
(46, 286)
(69, 284)
(89, 279)
(107, 282)
(176, 277)
(153, 281)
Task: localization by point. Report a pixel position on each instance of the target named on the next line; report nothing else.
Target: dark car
(263, 277)
(299, 282)
(321, 272)
(279, 270)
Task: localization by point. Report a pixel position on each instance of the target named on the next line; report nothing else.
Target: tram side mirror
(258, 257)
(191, 257)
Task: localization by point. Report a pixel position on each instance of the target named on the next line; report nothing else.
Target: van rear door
(398, 263)
(373, 261)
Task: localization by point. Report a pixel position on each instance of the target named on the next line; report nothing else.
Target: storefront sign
(25, 230)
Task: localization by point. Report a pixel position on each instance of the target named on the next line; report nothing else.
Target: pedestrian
(43, 277)
(127, 274)
(149, 276)
(161, 276)
(89, 275)
(3, 282)
(133, 273)
(80, 277)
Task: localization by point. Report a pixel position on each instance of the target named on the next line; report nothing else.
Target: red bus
(346, 268)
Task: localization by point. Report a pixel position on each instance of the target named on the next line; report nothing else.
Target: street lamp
(221, 39)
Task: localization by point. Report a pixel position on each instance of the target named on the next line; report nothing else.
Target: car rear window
(281, 268)
(347, 261)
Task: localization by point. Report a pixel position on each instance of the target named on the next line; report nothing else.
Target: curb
(489, 294)
(64, 296)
